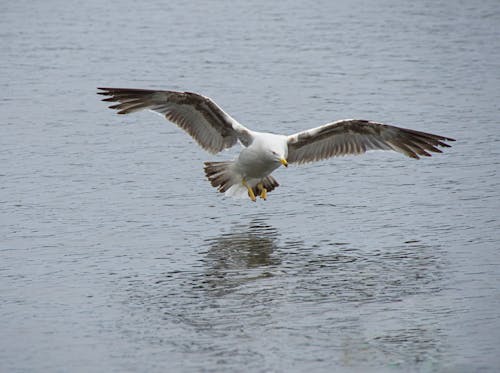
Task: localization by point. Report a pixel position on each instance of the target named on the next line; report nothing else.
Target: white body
(257, 161)
(262, 156)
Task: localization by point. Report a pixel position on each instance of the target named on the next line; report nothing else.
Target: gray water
(117, 255)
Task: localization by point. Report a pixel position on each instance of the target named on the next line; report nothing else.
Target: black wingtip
(104, 91)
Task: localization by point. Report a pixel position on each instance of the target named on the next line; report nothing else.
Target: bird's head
(279, 153)
(280, 158)
(275, 147)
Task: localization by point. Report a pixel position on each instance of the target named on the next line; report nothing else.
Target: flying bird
(250, 173)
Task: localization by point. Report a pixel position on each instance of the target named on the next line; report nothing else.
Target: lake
(118, 256)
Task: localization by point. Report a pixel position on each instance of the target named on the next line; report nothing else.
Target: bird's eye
(272, 151)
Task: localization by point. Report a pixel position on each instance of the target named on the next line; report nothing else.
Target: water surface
(117, 255)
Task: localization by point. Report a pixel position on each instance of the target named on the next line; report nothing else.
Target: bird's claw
(251, 194)
(263, 191)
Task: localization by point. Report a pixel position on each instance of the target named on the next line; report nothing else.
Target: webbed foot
(263, 191)
(251, 194)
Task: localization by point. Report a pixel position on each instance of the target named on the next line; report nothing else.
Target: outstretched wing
(355, 136)
(211, 127)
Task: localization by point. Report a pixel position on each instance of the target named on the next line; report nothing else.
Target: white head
(275, 146)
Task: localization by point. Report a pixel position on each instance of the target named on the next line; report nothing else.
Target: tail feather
(269, 183)
(222, 176)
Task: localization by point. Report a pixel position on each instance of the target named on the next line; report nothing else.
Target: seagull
(262, 153)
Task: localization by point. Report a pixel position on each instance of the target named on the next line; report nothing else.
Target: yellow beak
(284, 162)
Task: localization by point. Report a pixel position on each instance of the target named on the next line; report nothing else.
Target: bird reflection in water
(247, 253)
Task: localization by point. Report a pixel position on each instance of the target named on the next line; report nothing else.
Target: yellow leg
(250, 190)
(263, 191)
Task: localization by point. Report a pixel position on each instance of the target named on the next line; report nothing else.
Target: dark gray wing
(355, 136)
(211, 127)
